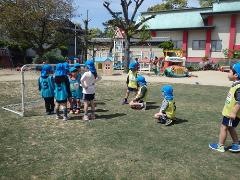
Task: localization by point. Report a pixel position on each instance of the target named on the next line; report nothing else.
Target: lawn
(121, 143)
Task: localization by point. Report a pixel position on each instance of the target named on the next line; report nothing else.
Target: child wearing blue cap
(88, 80)
(139, 102)
(167, 112)
(76, 90)
(46, 88)
(132, 85)
(62, 90)
(231, 113)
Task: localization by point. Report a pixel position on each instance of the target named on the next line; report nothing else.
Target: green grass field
(121, 143)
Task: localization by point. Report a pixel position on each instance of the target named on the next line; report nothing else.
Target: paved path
(214, 78)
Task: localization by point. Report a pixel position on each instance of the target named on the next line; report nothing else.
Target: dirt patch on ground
(214, 78)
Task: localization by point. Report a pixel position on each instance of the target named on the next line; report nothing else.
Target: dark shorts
(88, 97)
(227, 122)
(132, 89)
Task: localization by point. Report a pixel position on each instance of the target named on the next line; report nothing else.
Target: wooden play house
(104, 65)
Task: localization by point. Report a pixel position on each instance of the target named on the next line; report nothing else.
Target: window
(177, 44)
(199, 45)
(216, 46)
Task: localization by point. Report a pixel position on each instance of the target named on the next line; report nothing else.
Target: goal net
(27, 99)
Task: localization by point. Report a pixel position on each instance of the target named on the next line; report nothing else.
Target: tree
(168, 5)
(124, 21)
(36, 23)
(206, 3)
(167, 45)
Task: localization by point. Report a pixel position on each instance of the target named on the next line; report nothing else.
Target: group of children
(67, 84)
(137, 84)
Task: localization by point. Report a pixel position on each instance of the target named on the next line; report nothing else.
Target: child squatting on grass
(88, 80)
(131, 81)
(62, 90)
(231, 113)
(167, 112)
(46, 88)
(139, 102)
(76, 90)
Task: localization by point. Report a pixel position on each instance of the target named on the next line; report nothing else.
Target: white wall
(172, 35)
(221, 32)
(195, 35)
(238, 30)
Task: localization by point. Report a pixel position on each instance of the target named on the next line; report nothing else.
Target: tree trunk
(126, 54)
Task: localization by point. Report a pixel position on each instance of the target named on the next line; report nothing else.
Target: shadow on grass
(100, 103)
(149, 107)
(151, 103)
(110, 116)
(101, 110)
(180, 121)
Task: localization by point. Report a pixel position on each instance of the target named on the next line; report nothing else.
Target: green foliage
(51, 57)
(95, 33)
(167, 45)
(35, 23)
(64, 50)
(231, 54)
(206, 3)
(168, 5)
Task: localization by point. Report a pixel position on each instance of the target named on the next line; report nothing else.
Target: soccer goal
(27, 97)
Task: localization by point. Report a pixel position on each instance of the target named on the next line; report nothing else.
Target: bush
(51, 57)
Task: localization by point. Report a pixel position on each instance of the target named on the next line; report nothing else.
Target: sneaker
(48, 113)
(144, 106)
(217, 147)
(124, 101)
(65, 118)
(58, 117)
(168, 122)
(235, 148)
(85, 118)
(71, 112)
(77, 112)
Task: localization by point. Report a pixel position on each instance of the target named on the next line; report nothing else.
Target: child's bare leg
(127, 94)
(223, 134)
(64, 106)
(78, 106)
(233, 134)
(71, 101)
(157, 116)
(92, 103)
(86, 103)
(57, 110)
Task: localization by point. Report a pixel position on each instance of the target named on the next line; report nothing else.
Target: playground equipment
(176, 71)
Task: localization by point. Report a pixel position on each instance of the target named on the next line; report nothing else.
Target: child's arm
(163, 106)
(83, 79)
(141, 95)
(236, 108)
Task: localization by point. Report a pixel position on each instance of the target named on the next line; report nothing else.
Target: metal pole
(23, 90)
(75, 31)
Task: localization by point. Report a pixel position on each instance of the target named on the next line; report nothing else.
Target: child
(231, 113)
(76, 90)
(62, 90)
(167, 112)
(46, 87)
(131, 81)
(139, 102)
(88, 81)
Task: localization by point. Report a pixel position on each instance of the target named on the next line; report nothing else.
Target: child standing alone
(46, 88)
(167, 112)
(231, 113)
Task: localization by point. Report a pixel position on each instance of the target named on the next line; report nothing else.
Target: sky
(99, 14)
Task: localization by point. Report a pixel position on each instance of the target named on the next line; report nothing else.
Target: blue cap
(168, 92)
(45, 70)
(73, 69)
(77, 65)
(89, 63)
(66, 66)
(236, 68)
(60, 70)
(132, 65)
(141, 80)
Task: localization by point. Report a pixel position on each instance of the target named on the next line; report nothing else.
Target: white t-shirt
(88, 83)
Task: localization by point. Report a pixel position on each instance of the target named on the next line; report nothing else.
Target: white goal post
(30, 97)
